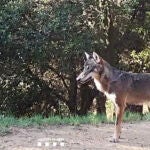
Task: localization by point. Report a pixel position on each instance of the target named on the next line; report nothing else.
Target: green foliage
(8, 121)
(137, 61)
(147, 117)
(129, 116)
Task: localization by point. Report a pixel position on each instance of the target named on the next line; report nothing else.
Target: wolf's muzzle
(80, 77)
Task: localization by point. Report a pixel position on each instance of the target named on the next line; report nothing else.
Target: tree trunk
(72, 93)
(101, 101)
(87, 95)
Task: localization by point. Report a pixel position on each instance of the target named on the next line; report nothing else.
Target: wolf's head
(93, 66)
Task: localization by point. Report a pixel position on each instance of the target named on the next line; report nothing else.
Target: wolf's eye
(87, 67)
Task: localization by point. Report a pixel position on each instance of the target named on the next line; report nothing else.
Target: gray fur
(119, 86)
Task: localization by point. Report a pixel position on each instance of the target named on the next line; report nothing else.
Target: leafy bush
(136, 61)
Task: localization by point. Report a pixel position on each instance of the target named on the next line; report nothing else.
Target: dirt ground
(135, 136)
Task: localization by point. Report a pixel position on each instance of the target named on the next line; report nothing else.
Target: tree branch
(60, 76)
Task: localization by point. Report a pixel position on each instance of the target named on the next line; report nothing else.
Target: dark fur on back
(134, 86)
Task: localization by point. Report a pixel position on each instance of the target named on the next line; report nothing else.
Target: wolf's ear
(96, 57)
(87, 55)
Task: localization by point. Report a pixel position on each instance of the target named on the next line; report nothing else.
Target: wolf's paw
(114, 140)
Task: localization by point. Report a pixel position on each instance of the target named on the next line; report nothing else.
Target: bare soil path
(135, 136)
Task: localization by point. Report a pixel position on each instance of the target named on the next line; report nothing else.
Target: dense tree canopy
(42, 43)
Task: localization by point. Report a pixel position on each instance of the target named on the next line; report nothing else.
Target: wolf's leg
(119, 116)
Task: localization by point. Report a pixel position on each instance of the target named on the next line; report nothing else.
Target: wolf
(119, 86)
